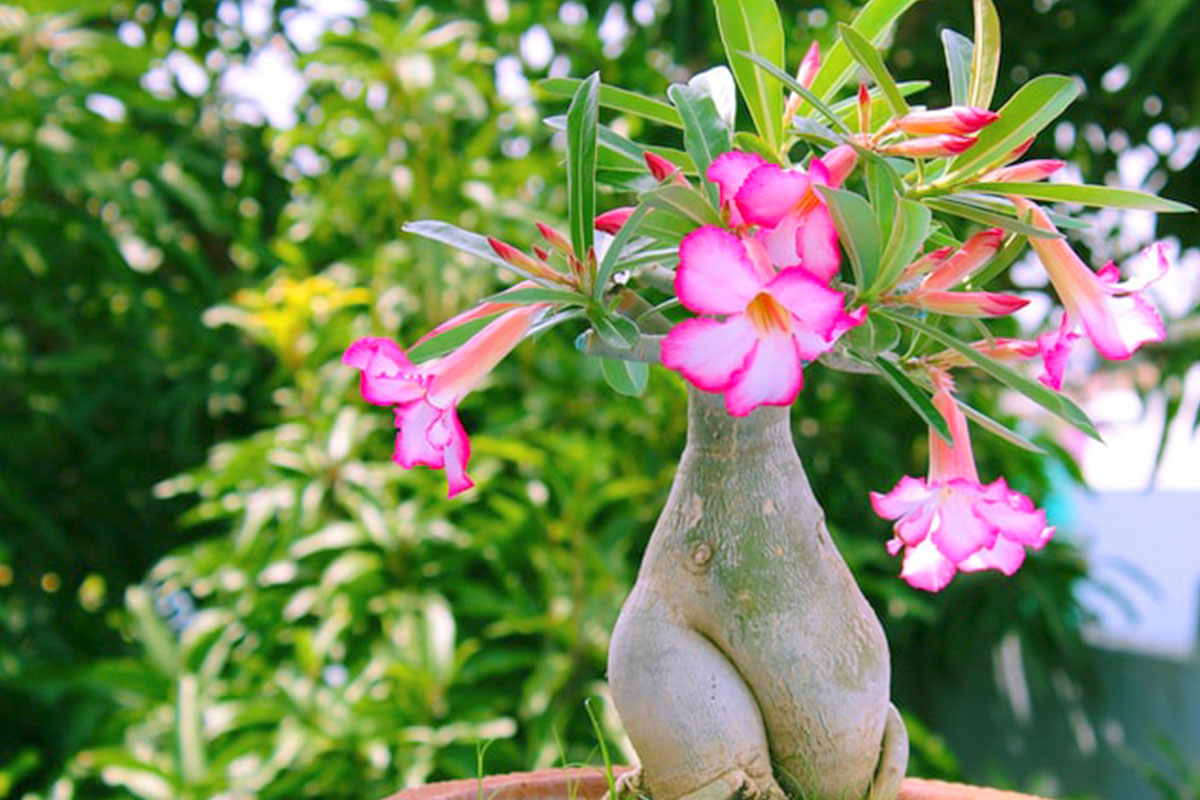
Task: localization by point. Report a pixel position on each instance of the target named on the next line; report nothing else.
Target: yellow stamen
(766, 314)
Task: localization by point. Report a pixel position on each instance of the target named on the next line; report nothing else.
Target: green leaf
(452, 339)
(857, 230)
(875, 335)
(1086, 194)
(526, 295)
(666, 226)
(619, 100)
(614, 330)
(865, 53)
(915, 396)
(1032, 108)
(985, 59)
(466, 241)
(625, 377)
(704, 133)
(754, 27)
(909, 231)
(884, 190)
(631, 154)
(582, 120)
(608, 264)
(812, 131)
(873, 21)
(999, 429)
(958, 65)
(683, 201)
(959, 207)
(787, 80)
(753, 143)
(1057, 404)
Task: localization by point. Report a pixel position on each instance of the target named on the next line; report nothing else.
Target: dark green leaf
(754, 27)
(959, 207)
(1057, 404)
(915, 396)
(873, 21)
(787, 80)
(582, 121)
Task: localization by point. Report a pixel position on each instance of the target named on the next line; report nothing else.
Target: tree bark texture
(746, 661)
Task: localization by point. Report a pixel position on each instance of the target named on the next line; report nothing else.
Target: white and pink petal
(709, 353)
(715, 273)
(772, 376)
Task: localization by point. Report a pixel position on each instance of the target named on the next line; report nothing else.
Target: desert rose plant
(858, 233)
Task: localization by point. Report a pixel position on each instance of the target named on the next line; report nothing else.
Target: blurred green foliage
(297, 616)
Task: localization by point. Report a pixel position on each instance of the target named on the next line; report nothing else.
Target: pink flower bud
(954, 119)
(840, 161)
(864, 109)
(1027, 171)
(930, 147)
(975, 252)
(809, 66)
(555, 238)
(611, 221)
(662, 169)
(523, 261)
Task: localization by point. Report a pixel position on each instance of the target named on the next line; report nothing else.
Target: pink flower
(966, 261)
(772, 321)
(964, 304)
(426, 397)
(729, 171)
(794, 223)
(1055, 347)
(953, 119)
(611, 221)
(947, 268)
(1115, 316)
(951, 521)
(943, 146)
(662, 169)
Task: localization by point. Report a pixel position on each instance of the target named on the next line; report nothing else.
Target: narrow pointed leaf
(865, 53)
(466, 241)
(614, 330)
(787, 80)
(958, 65)
(857, 231)
(582, 122)
(704, 133)
(998, 429)
(915, 396)
(909, 231)
(873, 21)
(985, 60)
(622, 100)
(683, 201)
(527, 295)
(961, 208)
(1035, 105)
(448, 340)
(1057, 404)
(612, 256)
(1087, 195)
(754, 26)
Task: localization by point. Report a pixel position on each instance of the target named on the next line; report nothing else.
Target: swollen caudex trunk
(746, 661)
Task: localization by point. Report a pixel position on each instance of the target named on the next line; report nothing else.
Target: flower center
(808, 202)
(767, 314)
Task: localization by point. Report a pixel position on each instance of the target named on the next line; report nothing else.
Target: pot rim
(590, 783)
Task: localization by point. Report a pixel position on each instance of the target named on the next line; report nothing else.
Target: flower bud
(930, 147)
(953, 120)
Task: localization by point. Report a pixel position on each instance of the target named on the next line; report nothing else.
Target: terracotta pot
(590, 783)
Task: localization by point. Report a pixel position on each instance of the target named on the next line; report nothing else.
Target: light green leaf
(958, 65)
(883, 189)
(448, 340)
(704, 133)
(875, 335)
(1057, 404)
(985, 59)
(608, 264)
(631, 154)
(753, 143)
(915, 396)
(619, 100)
(857, 230)
(625, 377)
(999, 429)
(683, 201)
(754, 26)
(466, 241)
(787, 80)
(1032, 108)
(960, 207)
(1086, 194)
(527, 295)
(873, 21)
(582, 121)
(909, 231)
(865, 53)
(615, 330)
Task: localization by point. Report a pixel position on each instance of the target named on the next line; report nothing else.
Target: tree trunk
(746, 661)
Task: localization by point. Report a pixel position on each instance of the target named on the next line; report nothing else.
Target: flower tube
(1114, 315)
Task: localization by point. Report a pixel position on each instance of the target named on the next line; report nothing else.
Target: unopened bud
(864, 109)
(975, 252)
(1027, 171)
(523, 260)
(930, 146)
(958, 120)
(556, 239)
(840, 161)
(662, 169)
(611, 221)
